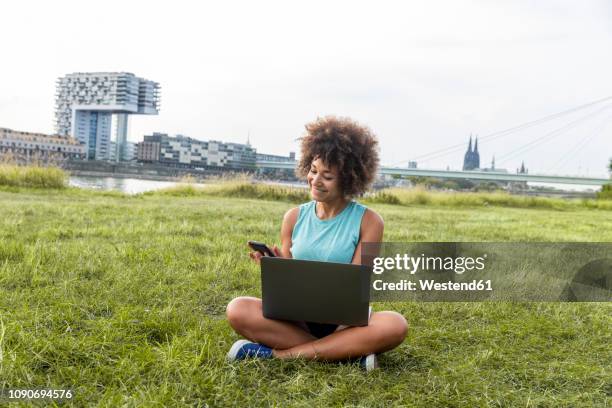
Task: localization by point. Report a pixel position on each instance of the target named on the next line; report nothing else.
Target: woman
(339, 160)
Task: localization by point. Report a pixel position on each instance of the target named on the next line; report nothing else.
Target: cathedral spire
(471, 159)
(476, 145)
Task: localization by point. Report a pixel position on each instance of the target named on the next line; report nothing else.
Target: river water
(136, 186)
(124, 185)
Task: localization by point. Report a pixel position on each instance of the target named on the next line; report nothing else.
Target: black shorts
(321, 329)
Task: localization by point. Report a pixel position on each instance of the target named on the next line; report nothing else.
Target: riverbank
(247, 187)
(145, 171)
(152, 177)
(150, 171)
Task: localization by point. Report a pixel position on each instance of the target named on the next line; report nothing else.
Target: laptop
(314, 291)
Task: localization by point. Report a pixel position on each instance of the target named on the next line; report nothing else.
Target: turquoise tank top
(332, 240)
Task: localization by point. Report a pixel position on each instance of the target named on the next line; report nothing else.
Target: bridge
(603, 105)
(472, 175)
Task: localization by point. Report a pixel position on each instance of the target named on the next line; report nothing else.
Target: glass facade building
(183, 151)
(86, 103)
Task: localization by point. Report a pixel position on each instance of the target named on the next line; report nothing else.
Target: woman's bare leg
(245, 315)
(385, 331)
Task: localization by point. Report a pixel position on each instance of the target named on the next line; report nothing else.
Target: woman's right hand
(256, 255)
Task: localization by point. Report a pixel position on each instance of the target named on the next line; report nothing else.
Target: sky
(423, 75)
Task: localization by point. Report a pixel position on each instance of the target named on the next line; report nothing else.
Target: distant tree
(465, 184)
(606, 192)
(606, 189)
(487, 186)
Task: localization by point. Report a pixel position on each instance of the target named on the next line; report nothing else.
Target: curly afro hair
(345, 144)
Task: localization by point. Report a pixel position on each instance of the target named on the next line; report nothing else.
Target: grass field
(122, 299)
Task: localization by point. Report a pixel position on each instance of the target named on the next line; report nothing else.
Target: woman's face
(323, 182)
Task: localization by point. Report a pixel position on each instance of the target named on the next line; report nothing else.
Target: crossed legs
(385, 331)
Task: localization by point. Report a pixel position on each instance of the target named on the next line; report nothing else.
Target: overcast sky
(423, 75)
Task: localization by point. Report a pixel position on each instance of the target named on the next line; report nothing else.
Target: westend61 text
(431, 285)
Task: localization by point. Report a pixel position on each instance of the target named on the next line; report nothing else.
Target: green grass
(483, 199)
(32, 176)
(122, 298)
(395, 196)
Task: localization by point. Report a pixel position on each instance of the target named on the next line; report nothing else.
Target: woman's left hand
(277, 251)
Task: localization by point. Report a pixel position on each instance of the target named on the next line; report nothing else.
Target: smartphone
(261, 248)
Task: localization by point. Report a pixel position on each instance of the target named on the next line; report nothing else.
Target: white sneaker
(244, 349)
(369, 362)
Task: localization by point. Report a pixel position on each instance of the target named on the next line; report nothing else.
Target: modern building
(28, 147)
(183, 151)
(87, 101)
(276, 158)
(129, 152)
(276, 174)
(148, 150)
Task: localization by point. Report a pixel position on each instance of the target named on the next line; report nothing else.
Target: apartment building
(183, 151)
(27, 147)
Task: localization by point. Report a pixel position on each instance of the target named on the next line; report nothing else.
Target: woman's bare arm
(289, 221)
(372, 228)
